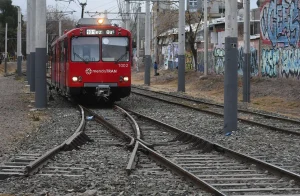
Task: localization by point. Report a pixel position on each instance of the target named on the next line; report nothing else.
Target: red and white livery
(93, 59)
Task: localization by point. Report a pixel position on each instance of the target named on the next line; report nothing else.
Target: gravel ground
(104, 174)
(16, 120)
(248, 139)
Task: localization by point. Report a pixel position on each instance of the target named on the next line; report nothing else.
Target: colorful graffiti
(280, 23)
(219, 54)
(270, 60)
(216, 61)
(189, 61)
(253, 61)
(290, 62)
(210, 61)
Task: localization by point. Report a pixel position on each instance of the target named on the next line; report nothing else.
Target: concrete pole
(59, 27)
(247, 53)
(5, 52)
(205, 39)
(231, 61)
(32, 45)
(19, 44)
(147, 44)
(138, 39)
(47, 43)
(41, 57)
(181, 47)
(127, 22)
(28, 42)
(155, 49)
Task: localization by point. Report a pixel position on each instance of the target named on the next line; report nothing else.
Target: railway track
(210, 166)
(33, 159)
(276, 123)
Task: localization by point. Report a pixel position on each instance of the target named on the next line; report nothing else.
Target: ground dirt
(17, 119)
(278, 95)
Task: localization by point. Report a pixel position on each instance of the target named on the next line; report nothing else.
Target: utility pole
(5, 52)
(205, 39)
(32, 44)
(41, 57)
(181, 47)
(19, 44)
(28, 41)
(82, 8)
(59, 27)
(155, 31)
(147, 44)
(127, 21)
(247, 54)
(138, 39)
(231, 61)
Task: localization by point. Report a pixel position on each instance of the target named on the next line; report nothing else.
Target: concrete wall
(280, 26)
(216, 59)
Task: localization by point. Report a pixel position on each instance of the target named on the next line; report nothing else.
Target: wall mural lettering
(219, 54)
(290, 61)
(270, 60)
(280, 23)
(216, 61)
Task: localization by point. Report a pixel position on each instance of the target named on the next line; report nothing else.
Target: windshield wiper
(81, 58)
(121, 57)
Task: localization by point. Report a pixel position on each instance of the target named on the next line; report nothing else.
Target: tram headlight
(126, 79)
(100, 21)
(75, 79)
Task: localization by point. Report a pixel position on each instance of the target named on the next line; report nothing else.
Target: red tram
(93, 59)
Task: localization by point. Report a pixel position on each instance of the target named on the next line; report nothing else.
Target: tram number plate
(100, 32)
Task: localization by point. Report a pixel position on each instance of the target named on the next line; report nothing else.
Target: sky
(64, 5)
(92, 6)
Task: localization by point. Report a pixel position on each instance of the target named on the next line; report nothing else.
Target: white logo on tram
(88, 71)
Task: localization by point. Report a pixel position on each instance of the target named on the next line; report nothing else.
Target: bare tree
(53, 17)
(193, 20)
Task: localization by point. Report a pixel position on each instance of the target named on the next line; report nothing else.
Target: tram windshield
(115, 49)
(85, 49)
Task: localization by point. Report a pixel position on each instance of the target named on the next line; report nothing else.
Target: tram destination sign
(100, 32)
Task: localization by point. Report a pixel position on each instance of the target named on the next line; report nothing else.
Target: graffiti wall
(280, 26)
(216, 59)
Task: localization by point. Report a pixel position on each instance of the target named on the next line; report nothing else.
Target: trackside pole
(181, 47)
(147, 45)
(41, 57)
(231, 61)
(247, 65)
(19, 44)
(205, 39)
(32, 45)
(138, 39)
(5, 52)
(28, 41)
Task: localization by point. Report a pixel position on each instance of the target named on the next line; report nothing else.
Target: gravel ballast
(248, 139)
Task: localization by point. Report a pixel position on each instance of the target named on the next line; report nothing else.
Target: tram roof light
(100, 21)
(83, 22)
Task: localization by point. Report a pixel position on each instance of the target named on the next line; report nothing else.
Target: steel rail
(111, 127)
(219, 105)
(181, 171)
(218, 114)
(135, 126)
(185, 136)
(34, 166)
(130, 164)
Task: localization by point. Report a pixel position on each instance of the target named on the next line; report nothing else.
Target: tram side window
(85, 49)
(62, 52)
(53, 55)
